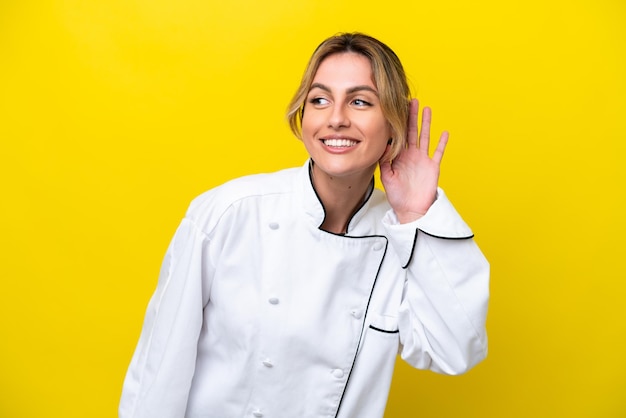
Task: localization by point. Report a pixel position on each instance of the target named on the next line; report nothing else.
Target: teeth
(339, 142)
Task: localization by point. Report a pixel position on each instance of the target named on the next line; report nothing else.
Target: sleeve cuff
(441, 221)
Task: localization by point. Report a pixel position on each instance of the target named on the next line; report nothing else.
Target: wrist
(408, 217)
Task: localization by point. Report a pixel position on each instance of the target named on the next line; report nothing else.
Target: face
(343, 126)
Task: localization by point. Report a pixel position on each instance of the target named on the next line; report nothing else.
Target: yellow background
(114, 114)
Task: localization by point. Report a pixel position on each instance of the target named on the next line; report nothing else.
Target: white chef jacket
(260, 313)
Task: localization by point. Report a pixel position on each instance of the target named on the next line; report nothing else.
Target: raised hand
(411, 179)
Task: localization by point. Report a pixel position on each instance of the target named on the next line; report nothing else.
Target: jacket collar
(314, 209)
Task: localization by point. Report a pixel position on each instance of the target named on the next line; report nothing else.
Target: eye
(318, 101)
(361, 103)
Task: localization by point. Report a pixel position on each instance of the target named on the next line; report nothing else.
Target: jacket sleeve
(159, 377)
(444, 302)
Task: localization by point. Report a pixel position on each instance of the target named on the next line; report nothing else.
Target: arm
(444, 305)
(159, 376)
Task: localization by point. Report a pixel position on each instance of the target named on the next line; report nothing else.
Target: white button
(267, 363)
(257, 413)
(338, 373)
(274, 225)
(357, 314)
(377, 247)
(273, 301)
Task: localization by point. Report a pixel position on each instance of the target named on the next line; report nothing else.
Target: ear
(390, 132)
(385, 157)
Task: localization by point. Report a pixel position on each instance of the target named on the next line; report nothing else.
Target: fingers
(441, 147)
(424, 141)
(413, 111)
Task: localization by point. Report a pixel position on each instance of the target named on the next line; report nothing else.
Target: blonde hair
(389, 78)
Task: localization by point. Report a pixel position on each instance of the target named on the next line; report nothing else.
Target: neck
(340, 196)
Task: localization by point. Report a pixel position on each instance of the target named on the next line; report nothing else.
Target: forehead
(345, 68)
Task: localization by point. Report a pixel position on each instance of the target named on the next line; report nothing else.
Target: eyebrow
(349, 91)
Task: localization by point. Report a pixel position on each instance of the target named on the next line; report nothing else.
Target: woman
(290, 294)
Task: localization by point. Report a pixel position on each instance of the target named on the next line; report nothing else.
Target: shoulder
(207, 209)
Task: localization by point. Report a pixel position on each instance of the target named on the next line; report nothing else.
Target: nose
(338, 117)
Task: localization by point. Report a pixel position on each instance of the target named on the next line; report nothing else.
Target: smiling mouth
(339, 143)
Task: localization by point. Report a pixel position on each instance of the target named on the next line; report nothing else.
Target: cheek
(382, 131)
(308, 129)
(383, 135)
(307, 124)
